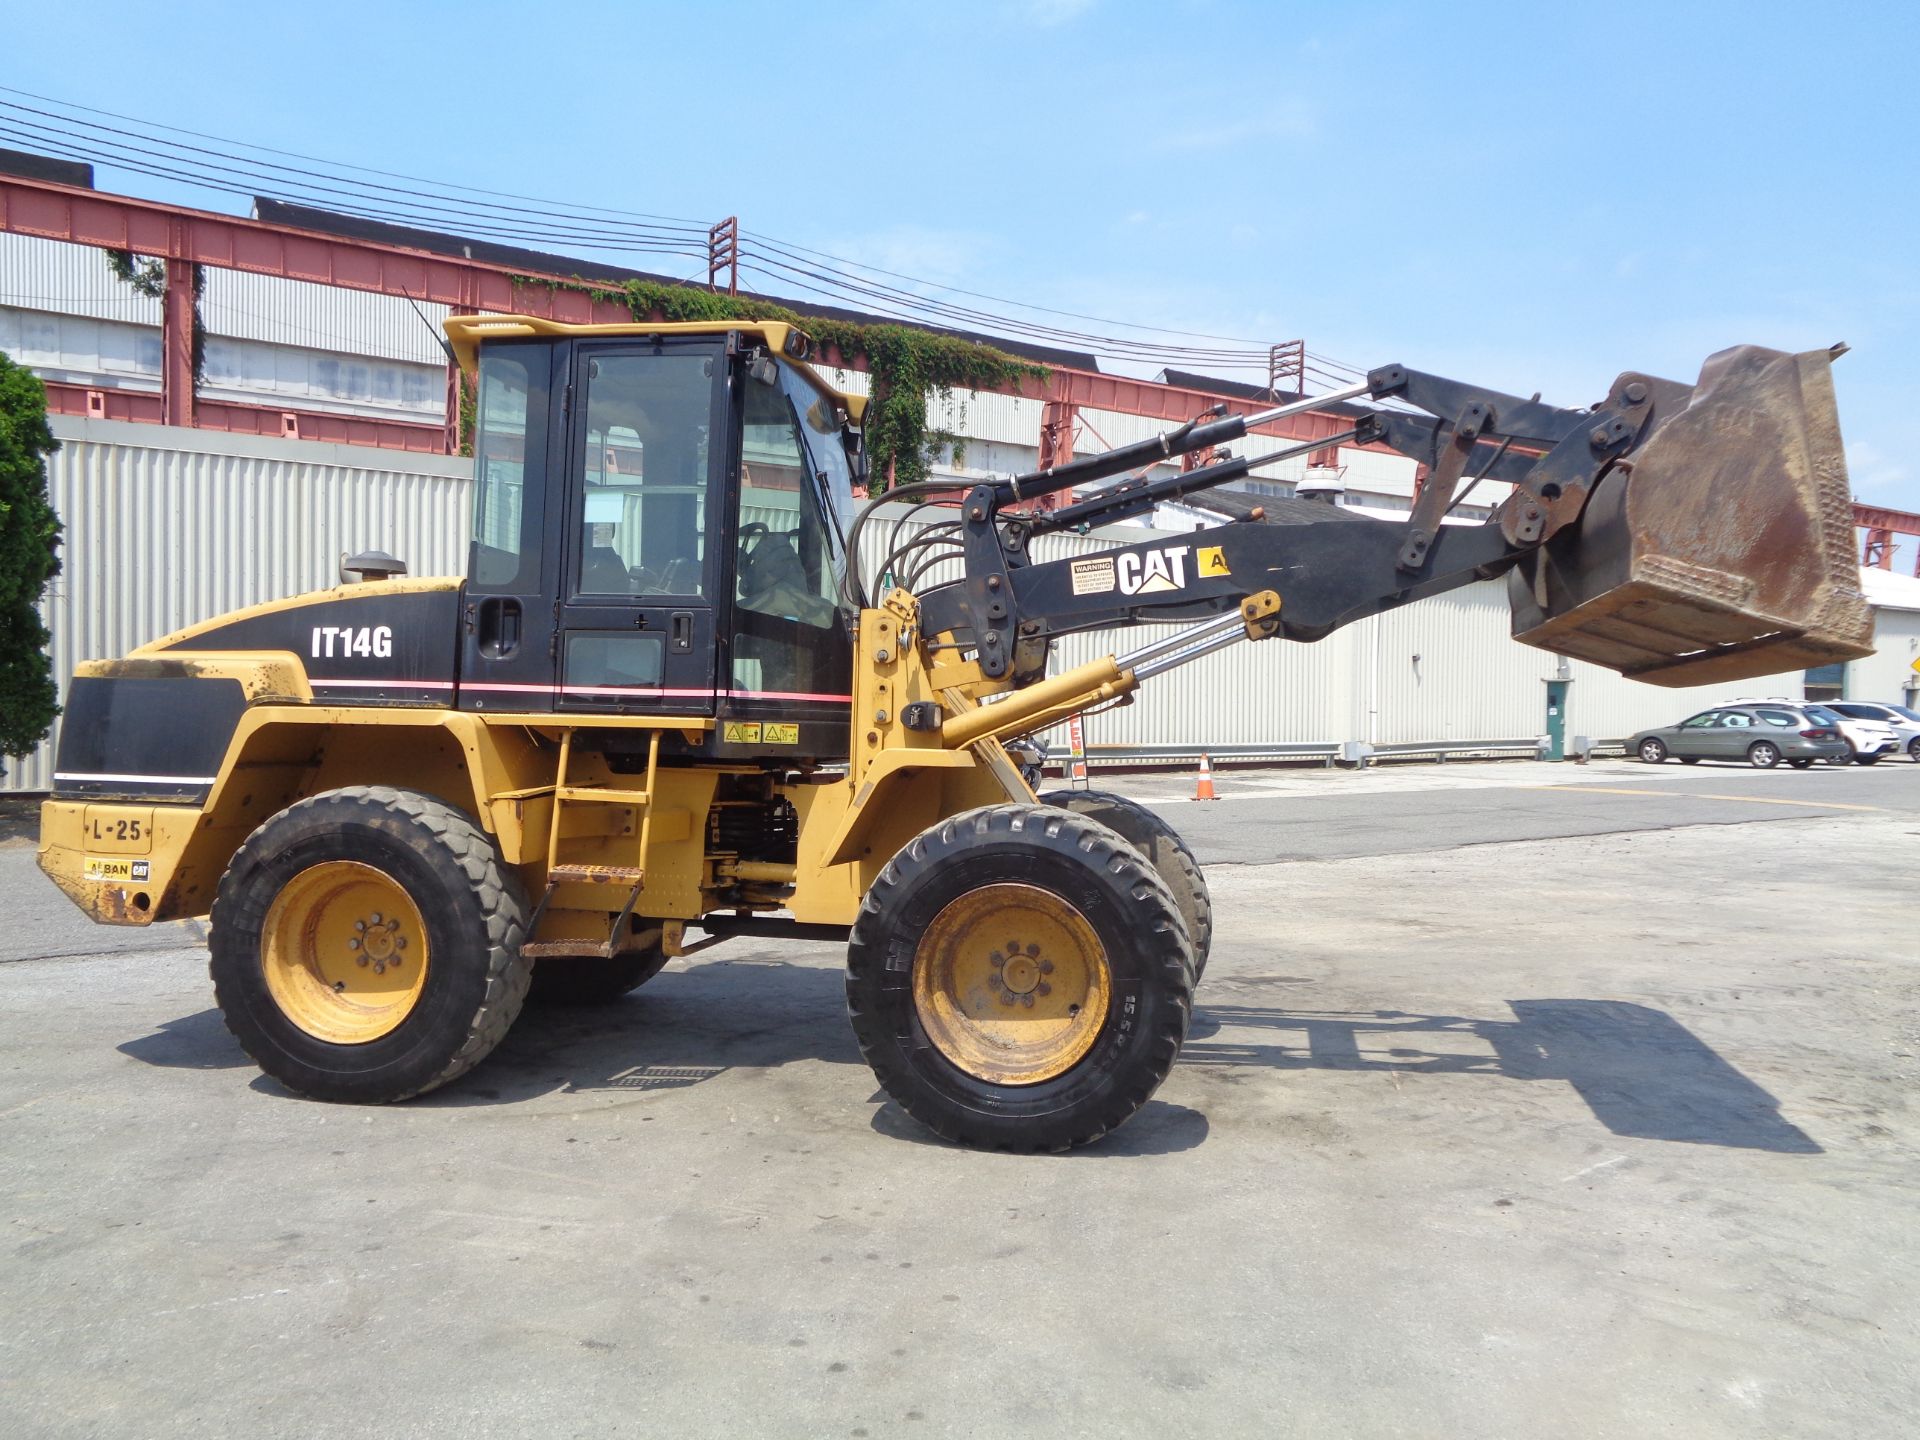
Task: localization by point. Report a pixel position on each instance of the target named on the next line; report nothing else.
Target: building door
(1557, 719)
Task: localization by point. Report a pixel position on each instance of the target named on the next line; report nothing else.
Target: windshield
(1905, 713)
(820, 422)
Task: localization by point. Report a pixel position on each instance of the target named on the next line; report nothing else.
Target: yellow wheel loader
(668, 704)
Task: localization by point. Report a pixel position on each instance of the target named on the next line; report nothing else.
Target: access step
(555, 949)
(595, 875)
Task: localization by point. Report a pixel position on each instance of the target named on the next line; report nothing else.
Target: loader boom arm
(1723, 548)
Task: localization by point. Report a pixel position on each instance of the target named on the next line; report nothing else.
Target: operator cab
(659, 526)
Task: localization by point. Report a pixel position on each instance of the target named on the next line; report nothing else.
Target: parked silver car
(1868, 741)
(1904, 722)
(1760, 735)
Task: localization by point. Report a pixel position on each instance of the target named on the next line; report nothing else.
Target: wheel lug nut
(360, 925)
(1046, 967)
(353, 944)
(1043, 989)
(1027, 999)
(376, 917)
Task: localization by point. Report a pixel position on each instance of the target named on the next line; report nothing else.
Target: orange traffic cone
(1204, 791)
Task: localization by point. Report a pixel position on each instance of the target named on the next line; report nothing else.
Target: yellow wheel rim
(344, 952)
(1011, 984)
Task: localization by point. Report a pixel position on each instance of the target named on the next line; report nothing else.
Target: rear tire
(1169, 855)
(1913, 750)
(1652, 751)
(1763, 755)
(586, 980)
(377, 1006)
(1689, 759)
(1019, 978)
(1866, 759)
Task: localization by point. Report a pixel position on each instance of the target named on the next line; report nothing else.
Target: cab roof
(467, 333)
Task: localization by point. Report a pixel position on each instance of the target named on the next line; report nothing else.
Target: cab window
(789, 563)
(507, 512)
(644, 487)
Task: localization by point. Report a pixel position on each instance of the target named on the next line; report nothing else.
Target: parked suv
(1761, 734)
(1904, 722)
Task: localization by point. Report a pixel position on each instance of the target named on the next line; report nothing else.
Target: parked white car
(1868, 741)
(1905, 722)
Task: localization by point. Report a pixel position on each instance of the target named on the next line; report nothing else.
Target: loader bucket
(1722, 548)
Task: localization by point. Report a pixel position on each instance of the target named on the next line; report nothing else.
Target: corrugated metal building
(166, 526)
(1889, 674)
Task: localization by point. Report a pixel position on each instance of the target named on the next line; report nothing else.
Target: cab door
(645, 463)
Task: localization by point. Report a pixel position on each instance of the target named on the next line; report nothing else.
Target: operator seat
(601, 572)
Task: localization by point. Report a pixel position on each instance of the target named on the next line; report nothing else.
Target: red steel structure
(186, 238)
(1881, 524)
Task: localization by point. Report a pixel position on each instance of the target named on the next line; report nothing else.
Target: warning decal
(1094, 577)
(781, 734)
(1213, 561)
(741, 732)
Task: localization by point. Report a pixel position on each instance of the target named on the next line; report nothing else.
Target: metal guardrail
(1325, 751)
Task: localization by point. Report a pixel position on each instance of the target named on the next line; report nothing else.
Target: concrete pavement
(1583, 1134)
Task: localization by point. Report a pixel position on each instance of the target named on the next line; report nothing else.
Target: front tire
(1763, 755)
(1169, 855)
(1866, 759)
(366, 945)
(1652, 751)
(1801, 764)
(1019, 978)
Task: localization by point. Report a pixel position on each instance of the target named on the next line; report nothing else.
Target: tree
(29, 540)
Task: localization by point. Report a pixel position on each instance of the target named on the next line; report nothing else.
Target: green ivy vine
(148, 276)
(906, 367)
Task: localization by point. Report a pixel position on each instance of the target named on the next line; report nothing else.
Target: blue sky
(1526, 196)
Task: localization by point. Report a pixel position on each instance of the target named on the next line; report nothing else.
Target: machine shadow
(680, 1029)
(1641, 1072)
(193, 1042)
(1157, 1128)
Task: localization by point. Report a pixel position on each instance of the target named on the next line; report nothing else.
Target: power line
(207, 175)
(789, 248)
(341, 164)
(537, 222)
